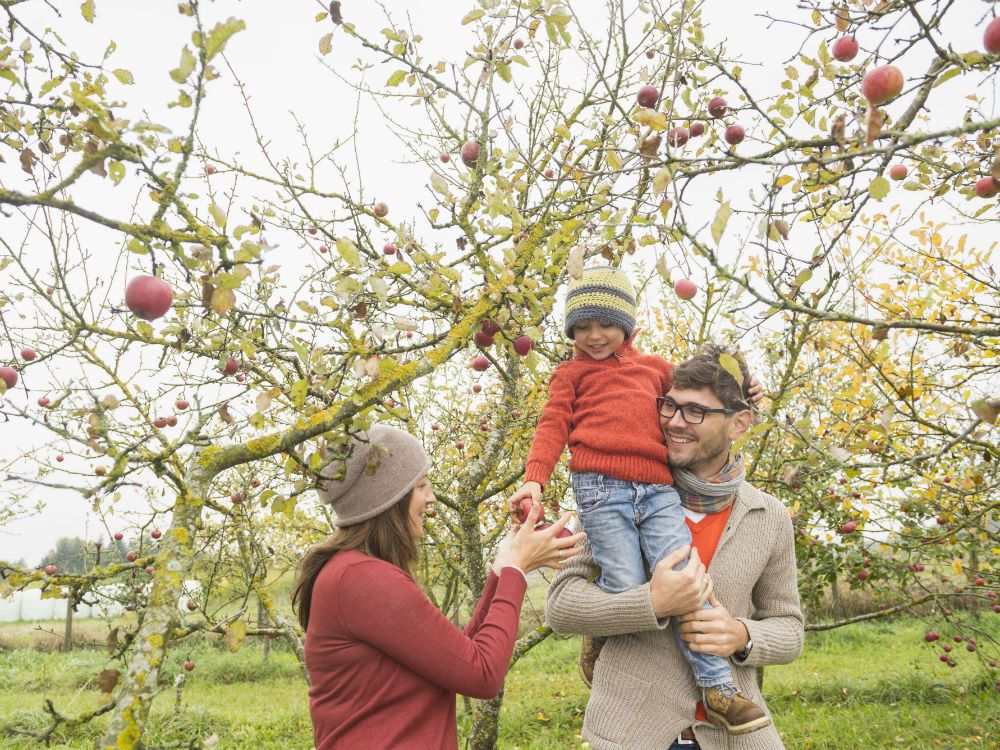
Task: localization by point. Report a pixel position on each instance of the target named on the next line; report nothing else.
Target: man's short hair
(704, 370)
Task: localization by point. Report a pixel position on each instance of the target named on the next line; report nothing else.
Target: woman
(384, 664)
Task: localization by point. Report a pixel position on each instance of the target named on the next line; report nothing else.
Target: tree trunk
(263, 622)
(149, 650)
(486, 724)
(68, 631)
(838, 610)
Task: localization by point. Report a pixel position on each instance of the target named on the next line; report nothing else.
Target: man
(643, 695)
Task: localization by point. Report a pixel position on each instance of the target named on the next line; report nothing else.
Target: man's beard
(707, 451)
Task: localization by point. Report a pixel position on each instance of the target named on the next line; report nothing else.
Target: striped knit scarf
(713, 494)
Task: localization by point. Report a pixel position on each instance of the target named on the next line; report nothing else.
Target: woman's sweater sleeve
(483, 605)
(553, 426)
(382, 606)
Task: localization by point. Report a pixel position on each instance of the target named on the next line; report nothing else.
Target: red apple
(192, 606)
(119, 536)
(648, 96)
(480, 363)
(324, 249)
(101, 471)
(718, 108)
(980, 581)
(130, 556)
(523, 509)
(60, 458)
(435, 427)
(43, 401)
(49, 289)
(477, 388)
(489, 327)
(380, 209)
(482, 339)
(696, 129)
(156, 533)
(236, 498)
(313, 230)
(240, 378)
(28, 354)
(389, 249)
(845, 49)
(9, 376)
(150, 570)
(677, 137)
(50, 570)
(930, 636)
(548, 174)
(209, 169)
(849, 528)
(160, 422)
(991, 37)
(444, 157)
(882, 84)
(470, 153)
(181, 404)
(563, 532)
(460, 444)
(947, 648)
(523, 345)
(986, 187)
(189, 665)
(897, 171)
(518, 43)
(735, 134)
(231, 366)
(148, 297)
(685, 289)
(863, 574)
(651, 53)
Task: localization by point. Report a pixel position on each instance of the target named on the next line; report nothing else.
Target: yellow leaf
(263, 402)
(396, 78)
(236, 635)
(661, 179)
(223, 300)
(87, 9)
(349, 251)
(472, 16)
(720, 221)
(326, 44)
(217, 215)
(729, 364)
(782, 181)
(651, 118)
(956, 566)
(123, 76)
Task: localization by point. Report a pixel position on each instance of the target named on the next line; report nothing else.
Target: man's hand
(529, 490)
(675, 592)
(713, 631)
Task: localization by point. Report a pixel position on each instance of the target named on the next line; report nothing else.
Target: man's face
(696, 447)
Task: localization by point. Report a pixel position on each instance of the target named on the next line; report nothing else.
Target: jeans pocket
(589, 491)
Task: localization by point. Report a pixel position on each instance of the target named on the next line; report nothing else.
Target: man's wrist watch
(745, 653)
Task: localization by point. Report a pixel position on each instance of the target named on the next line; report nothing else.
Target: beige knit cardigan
(644, 693)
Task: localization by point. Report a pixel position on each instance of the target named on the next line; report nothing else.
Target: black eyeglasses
(690, 413)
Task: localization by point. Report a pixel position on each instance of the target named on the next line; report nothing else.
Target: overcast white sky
(277, 58)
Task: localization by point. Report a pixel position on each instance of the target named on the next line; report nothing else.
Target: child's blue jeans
(628, 523)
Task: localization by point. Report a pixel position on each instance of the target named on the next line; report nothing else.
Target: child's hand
(755, 391)
(516, 505)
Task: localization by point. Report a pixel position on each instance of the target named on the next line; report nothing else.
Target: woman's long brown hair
(387, 536)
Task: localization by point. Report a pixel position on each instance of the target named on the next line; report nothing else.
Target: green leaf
(220, 35)
(729, 364)
(879, 188)
(472, 16)
(349, 251)
(236, 636)
(87, 9)
(182, 71)
(504, 70)
(400, 267)
(123, 76)
(116, 170)
(396, 78)
(299, 391)
(440, 185)
(661, 179)
(720, 221)
(137, 246)
(217, 215)
(945, 76)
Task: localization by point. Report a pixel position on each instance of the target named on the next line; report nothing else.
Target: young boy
(603, 404)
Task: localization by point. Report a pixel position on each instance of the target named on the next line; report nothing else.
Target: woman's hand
(529, 549)
(755, 391)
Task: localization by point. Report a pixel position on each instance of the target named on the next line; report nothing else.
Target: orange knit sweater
(606, 411)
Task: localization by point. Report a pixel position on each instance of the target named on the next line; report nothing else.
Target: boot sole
(718, 720)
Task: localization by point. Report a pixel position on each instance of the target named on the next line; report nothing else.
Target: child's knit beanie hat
(601, 293)
(382, 465)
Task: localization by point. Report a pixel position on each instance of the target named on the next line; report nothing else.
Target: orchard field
(234, 234)
(875, 685)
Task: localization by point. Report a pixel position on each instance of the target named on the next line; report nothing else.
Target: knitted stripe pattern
(601, 293)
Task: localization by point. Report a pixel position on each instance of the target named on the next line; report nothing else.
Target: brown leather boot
(727, 708)
(590, 649)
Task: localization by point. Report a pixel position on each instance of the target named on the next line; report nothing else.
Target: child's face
(596, 339)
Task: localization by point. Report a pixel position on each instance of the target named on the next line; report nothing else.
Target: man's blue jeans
(628, 523)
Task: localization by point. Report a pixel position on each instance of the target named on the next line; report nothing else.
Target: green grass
(867, 686)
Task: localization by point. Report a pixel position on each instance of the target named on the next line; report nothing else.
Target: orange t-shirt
(705, 535)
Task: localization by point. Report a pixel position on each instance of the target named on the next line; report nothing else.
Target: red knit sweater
(385, 664)
(606, 411)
